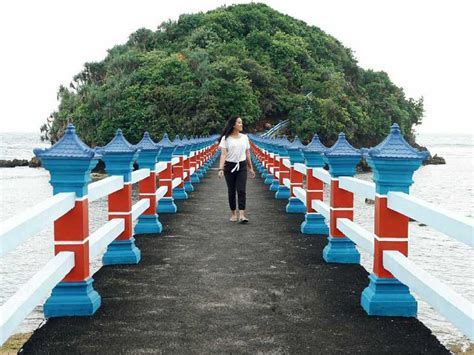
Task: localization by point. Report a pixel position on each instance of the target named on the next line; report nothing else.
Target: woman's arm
(222, 161)
(249, 162)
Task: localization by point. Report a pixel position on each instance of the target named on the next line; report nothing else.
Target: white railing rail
(104, 187)
(444, 299)
(359, 187)
(458, 227)
(105, 235)
(139, 207)
(28, 296)
(323, 175)
(363, 238)
(19, 228)
(139, 175)
(301, 168)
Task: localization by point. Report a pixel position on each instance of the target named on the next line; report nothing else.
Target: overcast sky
(426, 47)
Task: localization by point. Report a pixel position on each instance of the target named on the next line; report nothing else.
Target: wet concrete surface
(210, 286)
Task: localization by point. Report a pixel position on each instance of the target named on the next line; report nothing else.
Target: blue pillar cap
(149, 151)
(394, 161)
(167, 149)
(313, 153)
(69, 162)
(119, 155)
(342, 157)
(295, 151)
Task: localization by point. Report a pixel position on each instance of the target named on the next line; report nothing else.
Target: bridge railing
(394, 273)
(67, 275)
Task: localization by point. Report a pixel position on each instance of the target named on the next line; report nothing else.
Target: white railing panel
(174, 161)
(287, 183)
(105, 235)
(20, 227)
(160, 192)
(140, 207)
(104, 187)
(361, 188)
(271, 170)
(323, 175)
(321, 207)
(301, 168)
(300, 193)
(160, 166)
(363, 238)
(457, 309)
(176, 182)
(455, 226)
(18, 306)
(192, 170)
(139, 175)
(287, 163)
(277, 174)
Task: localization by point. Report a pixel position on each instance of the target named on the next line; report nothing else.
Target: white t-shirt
(236, 147)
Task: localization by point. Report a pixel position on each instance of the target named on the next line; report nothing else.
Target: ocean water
(450, 186)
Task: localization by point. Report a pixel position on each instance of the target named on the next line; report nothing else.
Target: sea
(450, 186)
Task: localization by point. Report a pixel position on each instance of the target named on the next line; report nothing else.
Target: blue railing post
(119, 156)
(314, 222)
(148, 222)
(70, 162)
(393, 162)
(295, 205)
(166, 204)
(342, 159)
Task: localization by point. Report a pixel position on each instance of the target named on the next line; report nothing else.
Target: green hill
(250, 60)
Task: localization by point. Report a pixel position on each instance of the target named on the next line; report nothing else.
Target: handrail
(287, 163)
(103, 236)
(300, 193)
(359, 187)
(160, 166)
(455, 226)
(322, 175)
(287, 183)
(176, 182)
(19, 228)
(363, 238)
(301, 168)
(104, 187)
(140, 207)
(139, 175)
(18, 306)
(444, 299)
(161, 192)
(321, 207)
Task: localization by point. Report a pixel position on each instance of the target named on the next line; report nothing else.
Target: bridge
(178, 277)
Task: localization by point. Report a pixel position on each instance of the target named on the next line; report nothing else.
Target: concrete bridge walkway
(207, 285)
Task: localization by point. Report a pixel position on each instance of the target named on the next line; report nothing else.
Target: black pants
(236, 183)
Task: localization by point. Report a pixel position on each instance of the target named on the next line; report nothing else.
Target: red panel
(128, 231)
(389, 223)
(310, 196)
(80, 271)
(147, 185)
(121, 200)
(312, 183)
(334, 215)
(379, 248)
(74, 225)
(152, 209)
(341, 198)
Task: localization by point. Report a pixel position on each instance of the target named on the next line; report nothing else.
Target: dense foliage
(250, 60)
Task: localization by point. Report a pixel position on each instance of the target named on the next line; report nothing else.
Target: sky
(426, 47)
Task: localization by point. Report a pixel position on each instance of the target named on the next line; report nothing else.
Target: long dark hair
(229, 127)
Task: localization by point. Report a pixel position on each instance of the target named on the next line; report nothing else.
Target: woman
(235, 157)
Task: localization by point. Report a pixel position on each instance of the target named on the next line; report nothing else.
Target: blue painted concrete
(341, 250)
(283, 193)
(72, 299)
(179, 193)
(166, 205)
(388, 297)
(148, 224)
(314, 224)
(295, 205)
(122, 252)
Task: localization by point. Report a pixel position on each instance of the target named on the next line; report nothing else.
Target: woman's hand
(221, 173)
(252, 172)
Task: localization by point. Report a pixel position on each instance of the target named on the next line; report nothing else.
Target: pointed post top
(69, 146)
(394, 146)
(166, 142)
(315, 146)
(118, 145)
(342, 148)
(147, 144)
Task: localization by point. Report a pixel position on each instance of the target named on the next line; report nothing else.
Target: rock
(13, 163)
(435, 160)
(34, 163)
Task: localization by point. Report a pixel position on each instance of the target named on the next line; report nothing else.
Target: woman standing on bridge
(235, 157)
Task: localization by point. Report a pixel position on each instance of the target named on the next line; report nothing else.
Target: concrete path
(210, 286)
